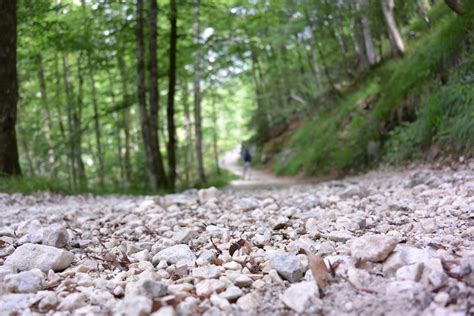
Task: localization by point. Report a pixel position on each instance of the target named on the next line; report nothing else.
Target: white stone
(375, 248)
(207, 194)
(243, 281)
(232, 265)
(298, 295)
(165, 311)
(146, 287)
(72, 301)
(174, 254)
(25, 282)
(6, 270)
(207, 272)
(56, 236)
(248, 302)
(135, 306)
(287, 265)
(232, 293)
(31, 256)
(209, 286)
(339, 235)
(184, 236)
(412, 272)
(360, 279)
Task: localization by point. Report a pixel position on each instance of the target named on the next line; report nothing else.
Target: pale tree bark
(367, 33)
(396, 40)
(48, 124)
(117, 128)
(197, 96)
(77, 118)
(70, 126)
(100, 154)
(171, 94)
(9, 163)
(125, 118)
(215, 136)
(188, 126)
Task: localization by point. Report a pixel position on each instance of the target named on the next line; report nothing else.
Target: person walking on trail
(247, 164)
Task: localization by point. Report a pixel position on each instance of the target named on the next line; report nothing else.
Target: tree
(396, 40)
(149, 114)
(197, 96)
(9, 163)
(171, 95)
(456, 6)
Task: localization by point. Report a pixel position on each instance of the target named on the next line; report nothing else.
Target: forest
(146, 96)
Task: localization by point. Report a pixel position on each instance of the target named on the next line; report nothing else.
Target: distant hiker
(247, 163)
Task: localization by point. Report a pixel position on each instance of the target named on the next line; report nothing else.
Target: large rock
(299, 294)
(375, 248)
(406, 255)
(135, 306)
(55, 235)
(174, 254)
(25, 282)
(287, 265)
(45, 258)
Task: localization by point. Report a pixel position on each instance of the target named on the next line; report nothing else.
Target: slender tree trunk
(70, 126)
(117, 128)
(77, 117)
(157, 160)
(214, 135)
(396, 40)
(171, 94)
(125, 119)
(188, 126)
(197, 96)
(9, 162)
(367, 33)
(100, 154)
(47, 122)
(26, 152)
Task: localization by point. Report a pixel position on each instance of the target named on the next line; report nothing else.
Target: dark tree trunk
(77, 118)
(157, 160)
(456, 6)
(171, 93)
(9, 164)
(197, 97)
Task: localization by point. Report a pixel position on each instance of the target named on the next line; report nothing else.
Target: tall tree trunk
(9, 163)
(396, 40)
(100, 154)
(149, 118)
(368, 43)
(171, 94)
(117, 128)
(77, 117)
(125, 118)
(48, 124)
(197, 96)
(70, 126)
(157, 160)
(26, 152)
(214, 135)
(188, 126)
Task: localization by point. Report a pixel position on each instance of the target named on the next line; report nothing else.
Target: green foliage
(337, 140)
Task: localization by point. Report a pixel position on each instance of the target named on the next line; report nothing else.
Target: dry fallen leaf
(319, 269)
(241, 244)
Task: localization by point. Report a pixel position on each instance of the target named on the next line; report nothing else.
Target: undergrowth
(399, 111)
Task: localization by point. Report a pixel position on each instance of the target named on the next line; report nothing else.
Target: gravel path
(391, 242)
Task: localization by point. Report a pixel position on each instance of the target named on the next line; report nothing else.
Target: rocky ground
(397, 242)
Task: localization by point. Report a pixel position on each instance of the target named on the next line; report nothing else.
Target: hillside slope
(421, 105)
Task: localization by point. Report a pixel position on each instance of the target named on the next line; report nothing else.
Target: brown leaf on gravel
(179, 273)
(215, 247)
(241, 244)
(319, 269)
(2, 243)
(217, 261)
